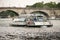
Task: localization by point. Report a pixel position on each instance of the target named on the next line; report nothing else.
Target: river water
(8, 32)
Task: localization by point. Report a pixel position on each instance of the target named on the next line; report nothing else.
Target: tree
(58, 5)
(28, 6)
(46, 5)
(50, 5)
(37, 5)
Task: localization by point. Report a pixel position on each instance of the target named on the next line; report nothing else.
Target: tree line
(45, 5)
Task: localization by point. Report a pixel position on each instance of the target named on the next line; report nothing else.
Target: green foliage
(58, 5)
(51, 5)
(8, 13)
(46, 5)
(38, 5)
(28, 6)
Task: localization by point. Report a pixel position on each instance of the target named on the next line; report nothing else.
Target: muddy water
(8, 32)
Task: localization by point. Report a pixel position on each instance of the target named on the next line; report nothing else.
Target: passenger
(35, 19)
(29, 21)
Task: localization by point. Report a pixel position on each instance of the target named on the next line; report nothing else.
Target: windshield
(38, 18)
(19, 19)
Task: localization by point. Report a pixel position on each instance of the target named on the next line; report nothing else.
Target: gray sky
(22, 3)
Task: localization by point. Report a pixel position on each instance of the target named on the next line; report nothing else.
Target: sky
(22, 3)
